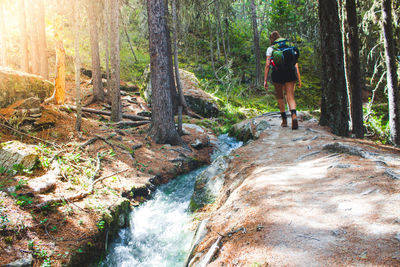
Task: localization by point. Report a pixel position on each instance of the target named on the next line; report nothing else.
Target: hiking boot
(295, 124)
(284, 122)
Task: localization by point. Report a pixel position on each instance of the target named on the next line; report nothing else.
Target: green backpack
(284, 57)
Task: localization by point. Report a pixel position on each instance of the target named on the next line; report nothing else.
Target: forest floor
(295, 198)
(125, 160)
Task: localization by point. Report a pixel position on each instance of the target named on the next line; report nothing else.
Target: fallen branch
(30, 136)
(123, 124)
(210, 254)
(78, 196)
(98, 137)
(107, 113)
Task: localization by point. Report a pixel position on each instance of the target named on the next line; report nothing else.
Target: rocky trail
(304, 198)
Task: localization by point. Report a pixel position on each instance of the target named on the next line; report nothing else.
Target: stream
(160, 231)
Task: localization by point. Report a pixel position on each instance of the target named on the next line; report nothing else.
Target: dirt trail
(296, 204)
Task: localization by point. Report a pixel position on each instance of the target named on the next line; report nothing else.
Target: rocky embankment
(302, 198)
(64, 195)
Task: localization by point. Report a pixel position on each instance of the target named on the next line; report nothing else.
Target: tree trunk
(106, 40)
(345, 43)
(217, 34)
(24, 37)
(59, 83)
(256, 42)
(228, 39)
(391, 76)
(211, 42)
(98, 91)
(354, 72)
(34, 37)
(174, 93)
(130, 43)
(3, 37)
(77, 66)
(334, 94)
(220, 30)
(181, 101)
(116, 108)
(44, 63)
(162, 126)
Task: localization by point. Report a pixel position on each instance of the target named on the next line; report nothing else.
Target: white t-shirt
(269, 51)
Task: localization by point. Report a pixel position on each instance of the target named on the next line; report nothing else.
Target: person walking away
(283, 78)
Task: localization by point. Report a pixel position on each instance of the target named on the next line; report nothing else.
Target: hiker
(284, 80)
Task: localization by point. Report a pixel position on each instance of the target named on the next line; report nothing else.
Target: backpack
(284, 57)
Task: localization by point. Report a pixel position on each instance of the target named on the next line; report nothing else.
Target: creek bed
(160, 231)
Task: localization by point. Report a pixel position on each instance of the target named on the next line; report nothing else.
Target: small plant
(46, 263)
(31, 245)
(21, 183)
(101, 225)
(22, 200)
(3, 218)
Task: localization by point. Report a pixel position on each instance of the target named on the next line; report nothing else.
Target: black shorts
(284, 76)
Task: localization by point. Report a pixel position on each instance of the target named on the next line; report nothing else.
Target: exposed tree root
(123, 124)
(28, 135)
(107, 113)
(78, 196)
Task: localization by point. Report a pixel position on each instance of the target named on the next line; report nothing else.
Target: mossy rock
(16, 85)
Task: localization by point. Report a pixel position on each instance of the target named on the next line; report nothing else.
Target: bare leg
(289, 87)
(281, 102)
(279, 95)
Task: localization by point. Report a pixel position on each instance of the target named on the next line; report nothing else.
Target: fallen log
(107, 113)
(122, 124)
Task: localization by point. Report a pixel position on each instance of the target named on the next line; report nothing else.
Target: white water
(159, 233)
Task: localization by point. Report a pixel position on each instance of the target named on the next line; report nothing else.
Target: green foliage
(377, 122)
(22, 200)
(101, 225)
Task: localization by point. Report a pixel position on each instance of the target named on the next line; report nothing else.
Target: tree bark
(354, 72)
(77, 60)
(162, 126)
(34, 37)
(334, 113)
(220, 30)
(24, 37)
(391, 76)
(116, 108)
(182, 102)
(211, 42)
(44, 63)
(3, 37)
(106, 40)
(98, 91)
(256, 42)
(59, 83)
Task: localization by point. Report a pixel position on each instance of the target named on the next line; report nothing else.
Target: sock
(293, 111)
(283, 115)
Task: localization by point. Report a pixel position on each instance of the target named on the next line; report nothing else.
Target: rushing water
(159, 232)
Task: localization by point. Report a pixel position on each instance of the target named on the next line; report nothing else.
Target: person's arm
(298, 74)
(267, 63)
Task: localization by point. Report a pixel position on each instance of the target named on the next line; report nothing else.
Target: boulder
(209, 184)
(23, 262)
(17, 153)
(250, 129)
(15, 85)
(197, 100)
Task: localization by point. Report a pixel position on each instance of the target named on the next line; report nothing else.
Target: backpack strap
(280, 42)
